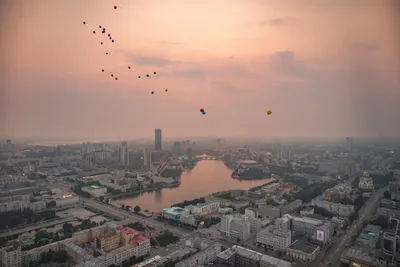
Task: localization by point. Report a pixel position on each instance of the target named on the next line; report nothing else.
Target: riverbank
(207, 177)
(147, 190)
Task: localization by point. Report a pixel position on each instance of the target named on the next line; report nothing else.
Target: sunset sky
(325, 68)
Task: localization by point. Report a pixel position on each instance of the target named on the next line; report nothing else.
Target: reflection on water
(208, 176)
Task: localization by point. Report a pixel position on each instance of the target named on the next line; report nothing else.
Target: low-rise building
(303, 250)
(242, 257)
(275, 238)
(202, 257)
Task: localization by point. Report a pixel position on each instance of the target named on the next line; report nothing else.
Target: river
(208, 176)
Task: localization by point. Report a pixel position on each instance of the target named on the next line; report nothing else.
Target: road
(152, 222)
(365, 212)
(37, 226)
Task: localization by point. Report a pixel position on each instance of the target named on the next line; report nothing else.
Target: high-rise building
(391, 239)
(124, 154)
(158, 140)
(349, 143)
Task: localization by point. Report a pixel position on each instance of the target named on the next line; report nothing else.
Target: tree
(101, 198)
(136, 209)
(386, 194)
(51, 204)
(41, 235)
(237, 240)
(60, 256)
(68, 228)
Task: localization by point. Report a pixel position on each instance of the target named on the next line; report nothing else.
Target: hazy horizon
(326, 69)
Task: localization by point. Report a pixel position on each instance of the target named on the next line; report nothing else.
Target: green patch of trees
(312, 191)
(209, 221)
(166, 238)
(137, 226)
(253, 189)
(190, 202)
(12, 219)
(136, 209)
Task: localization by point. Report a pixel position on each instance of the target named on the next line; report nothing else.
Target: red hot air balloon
(202, 110)
(115, 7)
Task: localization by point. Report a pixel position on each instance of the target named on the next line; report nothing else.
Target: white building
(336, 208)
(236, 226)
(275, 238)
(201, 258)
(11, 256)
(366, 182)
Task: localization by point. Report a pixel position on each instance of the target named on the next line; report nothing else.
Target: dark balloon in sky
(202, 110)
(147, 75)
(102, 70)
(110, 38)
(106, 53)
(115, 7)
(109, 35)
(112, 41)
(94, 32)
(99, 27)
(84, 22)
(112, 75)
(155, 73)
(139, 77)
(129, 67)
(152, 93)
(101, 43)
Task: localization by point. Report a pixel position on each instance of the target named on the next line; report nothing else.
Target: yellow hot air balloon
(269, 112)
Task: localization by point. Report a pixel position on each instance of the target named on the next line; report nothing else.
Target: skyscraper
(158, 140)
(124, 154)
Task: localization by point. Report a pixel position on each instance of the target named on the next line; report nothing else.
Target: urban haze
(199, 133)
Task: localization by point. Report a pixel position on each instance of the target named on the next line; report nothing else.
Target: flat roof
(303, 246)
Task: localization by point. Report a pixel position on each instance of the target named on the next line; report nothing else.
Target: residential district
(319, 205)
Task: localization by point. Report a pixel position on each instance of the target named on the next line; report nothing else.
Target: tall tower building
(349, 143)
(124, 154)
(158, 140)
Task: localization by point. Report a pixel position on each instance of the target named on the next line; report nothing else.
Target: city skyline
(323, 71)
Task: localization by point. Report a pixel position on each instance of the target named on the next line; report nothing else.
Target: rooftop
(363, 255)
(370, 228)
(127, 230)
(138, 239)
(303, 246)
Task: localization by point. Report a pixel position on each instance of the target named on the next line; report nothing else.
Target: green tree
(60, 256)
(136, 209)
(68, 228)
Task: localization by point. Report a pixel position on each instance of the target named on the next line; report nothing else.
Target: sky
(324, 68)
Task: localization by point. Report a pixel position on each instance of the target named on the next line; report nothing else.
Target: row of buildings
(114, 244)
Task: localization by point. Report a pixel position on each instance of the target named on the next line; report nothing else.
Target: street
(131, 217)
(365, 212)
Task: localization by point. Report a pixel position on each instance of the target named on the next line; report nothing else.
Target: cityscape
(176, 133)
(334, 204)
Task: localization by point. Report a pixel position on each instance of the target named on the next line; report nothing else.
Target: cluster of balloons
(203, 111)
